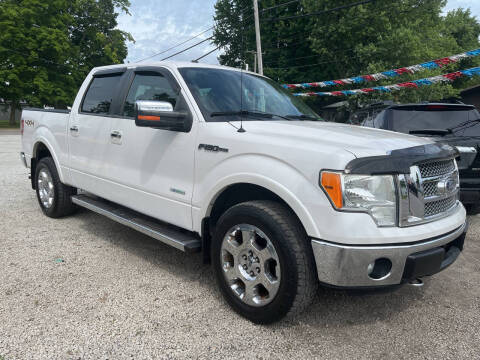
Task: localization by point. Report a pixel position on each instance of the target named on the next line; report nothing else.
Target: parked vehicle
(455, 124)
(214, 159)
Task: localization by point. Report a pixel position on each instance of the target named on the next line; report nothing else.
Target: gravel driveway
(85, 287)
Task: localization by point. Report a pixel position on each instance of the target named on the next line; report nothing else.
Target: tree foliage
(365, 39)
(48, 47)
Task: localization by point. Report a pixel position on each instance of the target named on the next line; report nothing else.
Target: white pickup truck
(214, 159)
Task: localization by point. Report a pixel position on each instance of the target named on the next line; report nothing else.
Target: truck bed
(49, 126)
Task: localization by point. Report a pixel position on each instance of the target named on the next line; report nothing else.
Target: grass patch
(5, 125)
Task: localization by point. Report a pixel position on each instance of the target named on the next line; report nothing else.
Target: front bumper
(371, 266)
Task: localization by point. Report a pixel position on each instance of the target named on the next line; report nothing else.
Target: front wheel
(263, 262)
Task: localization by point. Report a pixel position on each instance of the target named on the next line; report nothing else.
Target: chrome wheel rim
(250, 265)
(46, 189)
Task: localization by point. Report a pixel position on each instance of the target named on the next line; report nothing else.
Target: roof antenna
(241, 129)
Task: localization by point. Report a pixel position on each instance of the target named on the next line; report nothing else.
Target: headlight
(374, 195)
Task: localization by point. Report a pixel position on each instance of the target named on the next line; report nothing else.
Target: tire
(53, 196)
(285, 276)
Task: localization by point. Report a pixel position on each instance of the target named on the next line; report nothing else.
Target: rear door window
(100, 94)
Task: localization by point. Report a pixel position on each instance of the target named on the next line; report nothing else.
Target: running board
(168, 234)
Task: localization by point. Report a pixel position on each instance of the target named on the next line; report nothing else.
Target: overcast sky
(157, 25)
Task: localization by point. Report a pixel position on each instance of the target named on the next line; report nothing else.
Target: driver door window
(149, 86)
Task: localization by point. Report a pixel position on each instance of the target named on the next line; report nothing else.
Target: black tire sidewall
(283, 301)
(47, 163)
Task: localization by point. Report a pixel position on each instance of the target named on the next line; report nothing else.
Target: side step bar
(168, 234)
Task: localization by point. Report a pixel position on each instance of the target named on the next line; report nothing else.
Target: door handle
(74, 129)
(116, 134)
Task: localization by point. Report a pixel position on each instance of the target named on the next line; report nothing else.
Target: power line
(184, 42)
(182, 51)
(385, 7)
(201, 57)
(36, 57)
(321, 12)
(280, 5)
(177, 45)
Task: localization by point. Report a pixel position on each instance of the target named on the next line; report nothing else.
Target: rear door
(89, 132)
(152, 170)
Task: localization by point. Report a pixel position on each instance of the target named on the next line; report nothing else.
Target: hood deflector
(399, 161)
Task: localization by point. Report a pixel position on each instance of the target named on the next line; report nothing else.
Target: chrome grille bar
(428, 193)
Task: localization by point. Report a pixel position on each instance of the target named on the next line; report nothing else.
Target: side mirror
(160, 115)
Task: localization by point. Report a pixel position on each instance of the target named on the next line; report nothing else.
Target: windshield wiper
(247, 113)
(440, 132)
(302, 117)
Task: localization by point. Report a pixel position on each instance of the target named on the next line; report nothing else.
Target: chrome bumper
(24, 159)
(353, 266)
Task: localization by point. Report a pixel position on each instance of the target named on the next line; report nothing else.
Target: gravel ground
(85, 287)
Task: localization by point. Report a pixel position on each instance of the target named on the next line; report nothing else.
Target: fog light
(379, 269)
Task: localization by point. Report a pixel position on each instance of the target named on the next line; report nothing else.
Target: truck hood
(360, 141)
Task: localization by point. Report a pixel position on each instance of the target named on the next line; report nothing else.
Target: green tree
(94, 36)
(47, 47)
(365, 39)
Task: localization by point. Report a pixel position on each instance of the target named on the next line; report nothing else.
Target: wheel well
(238, 193)
(40, 151)
(231, 196)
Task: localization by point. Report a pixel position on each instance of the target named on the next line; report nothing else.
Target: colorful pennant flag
(387, 74)
(405, 85)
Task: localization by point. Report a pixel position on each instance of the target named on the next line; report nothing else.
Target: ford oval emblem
(450, 185)
(446, 186)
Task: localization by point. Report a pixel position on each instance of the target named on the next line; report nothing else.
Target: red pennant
(453, 76)
(403, 70)
(368, 78)
(444, 61)
(408, 85)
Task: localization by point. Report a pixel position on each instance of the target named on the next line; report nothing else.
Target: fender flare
(269, 184)
(42, 140)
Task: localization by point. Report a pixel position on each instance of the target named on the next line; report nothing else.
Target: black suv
(454, 124)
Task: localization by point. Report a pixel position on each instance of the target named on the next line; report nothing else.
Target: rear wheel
(263, 262)
(53, 196)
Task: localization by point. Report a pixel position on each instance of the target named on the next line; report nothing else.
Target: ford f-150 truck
(223, 161)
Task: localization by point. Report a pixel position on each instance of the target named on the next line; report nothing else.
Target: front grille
(428, 193)
(440, 206)
(430, 188)
(437, 168)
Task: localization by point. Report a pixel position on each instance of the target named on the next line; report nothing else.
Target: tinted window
(218, 90)
(149, 86)
(462, 122)
(100, 94)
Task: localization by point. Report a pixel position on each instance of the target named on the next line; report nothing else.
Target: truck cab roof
(169, 64)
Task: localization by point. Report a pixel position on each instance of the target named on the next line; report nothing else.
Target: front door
(153, 169)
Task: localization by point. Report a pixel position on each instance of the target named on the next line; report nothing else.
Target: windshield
(461, 122)
(218, 92)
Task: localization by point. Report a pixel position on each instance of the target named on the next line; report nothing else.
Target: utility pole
(254, 59)
(258, 38)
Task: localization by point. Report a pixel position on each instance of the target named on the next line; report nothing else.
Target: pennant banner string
(405, 85)
(387, 74)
